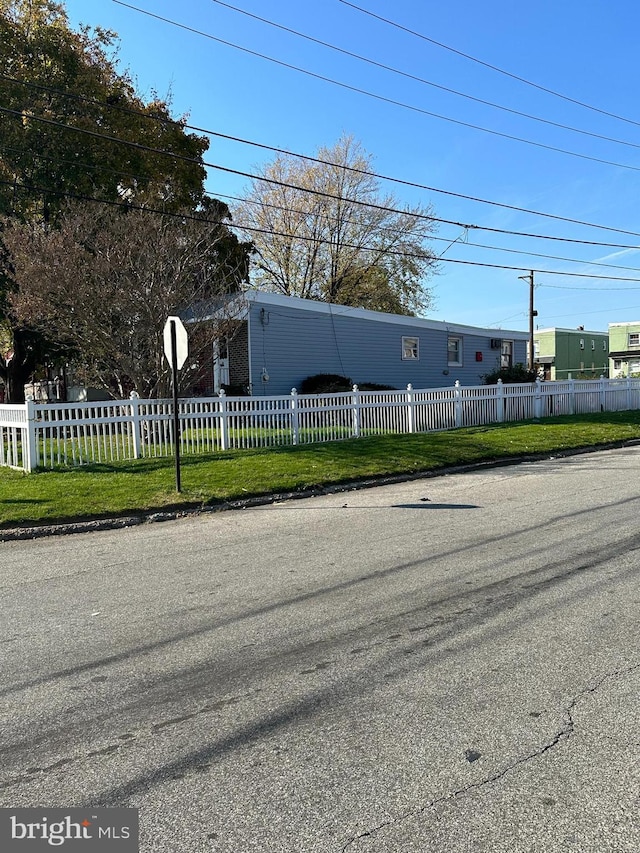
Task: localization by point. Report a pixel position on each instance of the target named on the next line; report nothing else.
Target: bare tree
(323, 230)
(103, 282)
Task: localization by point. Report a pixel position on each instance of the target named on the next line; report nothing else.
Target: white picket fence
(71, 434)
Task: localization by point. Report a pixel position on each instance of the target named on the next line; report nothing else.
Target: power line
(586, 313)
(310, 158)
(297, 211)
(77, 163)
(415, 78)
(353, 201)
(419, 255)
(462, 225)
(591, 289)
(300, 212)
(127, 205)
(328, 195)
(488, 64)
(540, 255)
(376, 96)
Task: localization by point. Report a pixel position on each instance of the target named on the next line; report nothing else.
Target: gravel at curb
(88, 526)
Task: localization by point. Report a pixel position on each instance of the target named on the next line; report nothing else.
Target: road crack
(561, 736)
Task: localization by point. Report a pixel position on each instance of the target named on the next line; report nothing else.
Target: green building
(624, 349)
(571, 353)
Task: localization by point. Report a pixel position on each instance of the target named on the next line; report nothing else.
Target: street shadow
(431, 505)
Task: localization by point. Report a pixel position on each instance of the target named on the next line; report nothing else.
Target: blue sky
(584, 49)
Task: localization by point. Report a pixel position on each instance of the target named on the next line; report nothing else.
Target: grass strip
(145, 485)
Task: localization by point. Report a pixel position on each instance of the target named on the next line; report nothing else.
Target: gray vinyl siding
(293, 344)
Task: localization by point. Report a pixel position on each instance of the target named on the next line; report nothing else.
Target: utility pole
(532, 313)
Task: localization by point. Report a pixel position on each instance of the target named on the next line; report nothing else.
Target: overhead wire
(489, 65)
(230, 224)
(462, 225)
(435, 219)
(307, 157)
(415, 78)
(586, 313)
(377, 96)
(465, 241)
(404, 212)
(350, 221)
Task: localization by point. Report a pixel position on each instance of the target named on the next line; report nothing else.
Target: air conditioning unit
(496, 343)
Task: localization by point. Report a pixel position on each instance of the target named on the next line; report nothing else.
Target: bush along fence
(47, 435)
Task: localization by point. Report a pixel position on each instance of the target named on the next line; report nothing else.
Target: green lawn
(121, 488)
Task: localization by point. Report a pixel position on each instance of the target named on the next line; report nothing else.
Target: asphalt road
(446, 665)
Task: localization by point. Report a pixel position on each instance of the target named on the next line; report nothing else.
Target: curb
(15, 534)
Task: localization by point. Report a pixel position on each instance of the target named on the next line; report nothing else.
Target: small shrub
(375, 386)
(325, 383)
(513, 374)
(235, 390)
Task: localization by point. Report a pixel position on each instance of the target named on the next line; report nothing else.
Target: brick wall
(238, 347)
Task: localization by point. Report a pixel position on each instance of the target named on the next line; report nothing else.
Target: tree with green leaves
(73, 126)
(323, 229)
(63, 101)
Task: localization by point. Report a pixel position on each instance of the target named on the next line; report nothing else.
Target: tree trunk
(21, 366)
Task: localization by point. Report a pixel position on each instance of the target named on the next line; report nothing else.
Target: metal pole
(176, 418)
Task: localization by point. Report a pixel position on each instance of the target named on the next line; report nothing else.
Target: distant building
(571, 353)
(624, 349)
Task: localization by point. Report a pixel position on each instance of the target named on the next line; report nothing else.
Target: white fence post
(356, 412)
(537, 399)
(458, 405)
(224, 423)
(30, 452)
(572, 396)
(134, 397)
(411, 409)
(499, 401)
(28, 434)
(295, 426)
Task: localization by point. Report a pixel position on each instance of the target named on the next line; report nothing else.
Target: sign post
(176, 349)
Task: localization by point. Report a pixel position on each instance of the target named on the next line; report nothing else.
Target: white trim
(410, 348)
(460, 362)
(511, 353)
(573, 331)
(248, 318)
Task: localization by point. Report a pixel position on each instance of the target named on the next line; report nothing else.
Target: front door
(220, 364)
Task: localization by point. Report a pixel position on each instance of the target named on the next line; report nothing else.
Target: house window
(581, 343)
(617, 364)
(634, 339)
(454, 351)
(410, 348)
(506, 354)
(604, 346)
(593, 345)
